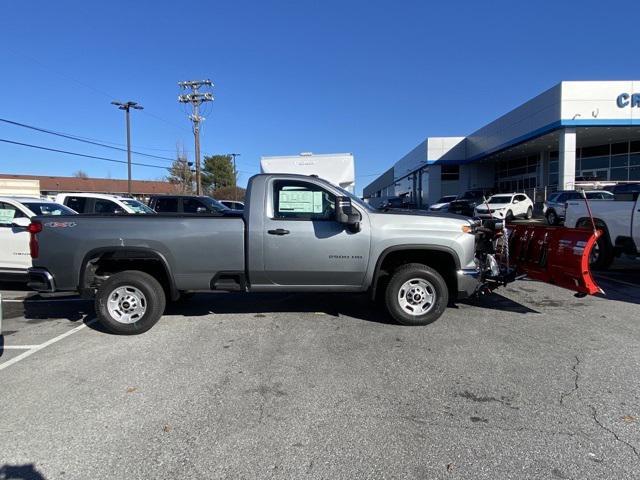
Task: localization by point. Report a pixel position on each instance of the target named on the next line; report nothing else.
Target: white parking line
(19, 347)
(37, 348)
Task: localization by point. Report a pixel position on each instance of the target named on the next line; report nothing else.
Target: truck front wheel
(416, 295)
(129, 302)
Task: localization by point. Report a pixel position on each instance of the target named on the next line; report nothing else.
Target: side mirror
(516, 201)
(201, 210)
(347, 215)
(119, 211)
(22, 222)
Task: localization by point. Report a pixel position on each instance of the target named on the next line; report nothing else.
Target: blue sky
(368, 77)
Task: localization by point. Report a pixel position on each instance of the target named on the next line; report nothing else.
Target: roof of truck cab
(25, 199)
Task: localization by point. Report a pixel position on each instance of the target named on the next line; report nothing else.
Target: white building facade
(582, 131)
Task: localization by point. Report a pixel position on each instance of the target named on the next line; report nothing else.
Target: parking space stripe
(19, 347)
(37, 348)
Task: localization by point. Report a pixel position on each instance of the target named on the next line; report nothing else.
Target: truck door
(303, 242)
(14, 241)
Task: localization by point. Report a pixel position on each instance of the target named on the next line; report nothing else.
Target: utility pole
(235, 176)
(196, 98)
(126, 107)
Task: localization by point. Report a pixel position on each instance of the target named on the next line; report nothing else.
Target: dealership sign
(625, 100)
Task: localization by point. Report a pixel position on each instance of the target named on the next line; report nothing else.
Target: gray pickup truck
(296, 234)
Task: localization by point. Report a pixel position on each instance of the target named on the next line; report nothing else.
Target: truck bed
(194, 247)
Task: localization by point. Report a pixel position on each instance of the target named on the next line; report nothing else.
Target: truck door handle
(278, 231)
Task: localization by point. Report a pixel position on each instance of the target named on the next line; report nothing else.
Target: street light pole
(126, 107)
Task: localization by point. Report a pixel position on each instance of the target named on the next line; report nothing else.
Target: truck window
(191, 205)
(76, 203)
(105, 206)
(302, 201)
(9, 213)
(169, 205)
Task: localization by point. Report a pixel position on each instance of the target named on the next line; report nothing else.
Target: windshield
(357, 200)
(214, 205)
(136, 206)
(49, 208)
(447, 199)
(500, 199)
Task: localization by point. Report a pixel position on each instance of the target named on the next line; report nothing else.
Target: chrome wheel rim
(416, 296)
(127, 304)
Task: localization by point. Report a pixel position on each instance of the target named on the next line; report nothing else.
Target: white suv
(15, 217)
(507, 206)
(101, 203)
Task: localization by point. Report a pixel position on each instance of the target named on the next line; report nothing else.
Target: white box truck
(337, 168)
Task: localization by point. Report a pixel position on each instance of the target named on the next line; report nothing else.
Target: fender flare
(153, 254)
(396, 248)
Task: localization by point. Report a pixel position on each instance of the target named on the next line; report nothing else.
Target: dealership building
(576, 133)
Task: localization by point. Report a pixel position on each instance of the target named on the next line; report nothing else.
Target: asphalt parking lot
(529, 383)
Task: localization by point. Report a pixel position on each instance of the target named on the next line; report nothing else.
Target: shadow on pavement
(43, 310)
(335, 304)
(22, 472)
(495, 301)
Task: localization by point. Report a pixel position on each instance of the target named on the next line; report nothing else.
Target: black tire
(552, 217)
(529, 214)
(509, 216)
(409, 272)
(154, 302)
(602, 254)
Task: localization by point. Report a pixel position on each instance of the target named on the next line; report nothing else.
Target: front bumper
(41, 280)
(469, 282)
(493, 214)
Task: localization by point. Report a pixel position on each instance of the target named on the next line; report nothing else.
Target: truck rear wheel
(129, 302)
(602, 254)
(416, 295)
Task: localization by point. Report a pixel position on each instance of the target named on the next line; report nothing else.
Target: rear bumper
(41, 280)
(468, 282)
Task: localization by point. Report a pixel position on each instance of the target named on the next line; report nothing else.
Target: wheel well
(441, 261)
(101, 265)
(585, 222)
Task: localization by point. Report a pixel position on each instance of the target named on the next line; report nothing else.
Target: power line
(80, 139)
(66, 152)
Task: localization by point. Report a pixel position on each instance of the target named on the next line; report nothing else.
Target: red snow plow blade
(559, 256)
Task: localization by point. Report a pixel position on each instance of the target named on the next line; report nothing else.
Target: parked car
(99, 203)
(297, 234)
(619, 221)
(442, 205)
(398, 202)
(468, 201)
(186, 204)
(232, 204)
(507, 206)
(554, 208)
(15, 217)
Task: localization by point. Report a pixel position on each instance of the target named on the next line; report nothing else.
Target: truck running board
(555, 255)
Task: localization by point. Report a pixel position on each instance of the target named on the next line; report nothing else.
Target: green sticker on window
(300, 201)
(6, 215)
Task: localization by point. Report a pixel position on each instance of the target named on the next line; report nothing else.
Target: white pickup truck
(618, 219)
